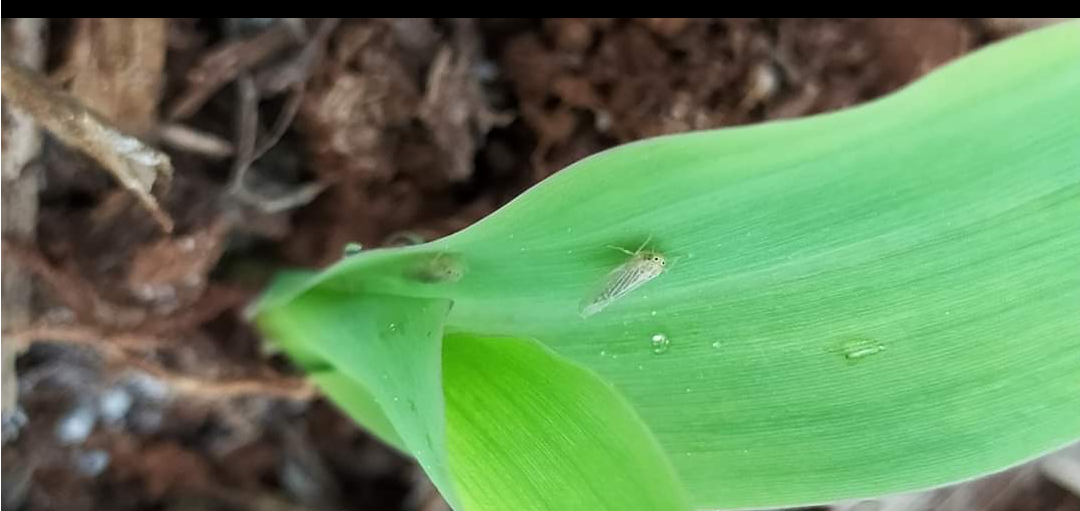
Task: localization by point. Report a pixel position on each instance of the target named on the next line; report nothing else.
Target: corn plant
(876, 300)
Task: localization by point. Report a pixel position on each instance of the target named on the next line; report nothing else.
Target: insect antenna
(627, 252)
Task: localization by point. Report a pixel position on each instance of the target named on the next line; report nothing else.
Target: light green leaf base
(529, 431)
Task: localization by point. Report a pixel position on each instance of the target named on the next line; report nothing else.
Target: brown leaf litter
(384, 133)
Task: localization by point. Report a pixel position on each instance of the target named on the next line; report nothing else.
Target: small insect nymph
(643, 266)
(443, 268)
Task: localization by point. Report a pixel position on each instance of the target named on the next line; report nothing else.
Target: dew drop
(640, 367)
(603, 353)
(351, 249)
(660, 343)
(716, 344)
(653, 313)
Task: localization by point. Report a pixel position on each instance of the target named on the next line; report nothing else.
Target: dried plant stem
(137, 166)
(124, 350)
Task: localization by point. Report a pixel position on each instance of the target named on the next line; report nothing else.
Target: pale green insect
(443, 268)
(643, 266)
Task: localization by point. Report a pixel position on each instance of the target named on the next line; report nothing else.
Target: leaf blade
(878, 300)
(909, 221)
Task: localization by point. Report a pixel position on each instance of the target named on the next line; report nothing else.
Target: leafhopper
(643, 266)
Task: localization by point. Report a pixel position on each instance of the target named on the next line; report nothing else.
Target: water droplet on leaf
(660, 343)
(351, 249)
(858, 349)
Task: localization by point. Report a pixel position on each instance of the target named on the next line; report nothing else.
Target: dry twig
(137, 166)
(124, 350)
(226, 63)
(83, 335)
(293, 75)
(189, 139)
(25, 39)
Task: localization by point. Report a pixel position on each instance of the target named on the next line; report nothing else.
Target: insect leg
(627, 252)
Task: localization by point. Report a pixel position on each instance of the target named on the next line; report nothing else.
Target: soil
(139, 384)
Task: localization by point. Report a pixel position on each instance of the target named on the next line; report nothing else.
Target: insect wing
(619, 282)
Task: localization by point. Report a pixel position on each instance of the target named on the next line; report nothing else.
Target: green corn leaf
(872, 301)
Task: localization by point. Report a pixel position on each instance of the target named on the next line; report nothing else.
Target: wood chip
(117, 68)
